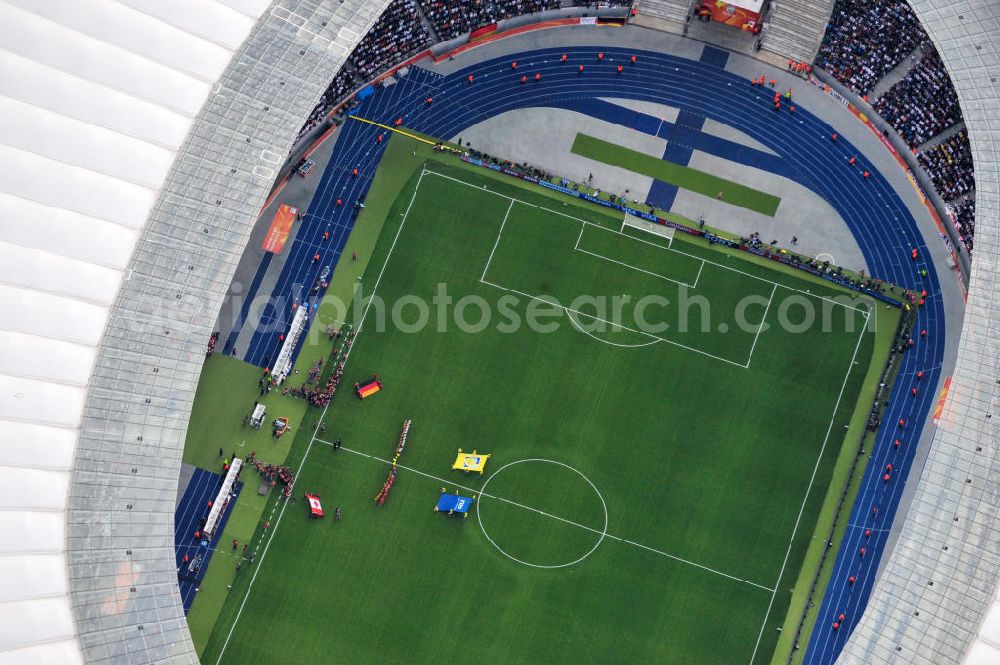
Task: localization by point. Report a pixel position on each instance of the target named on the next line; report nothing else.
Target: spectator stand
(452, 18)
(340, 96)
(397, 34)
(923, 104)
(895, 143)
(949, 165)
(865, 39)
(963, 218)
(190, 516)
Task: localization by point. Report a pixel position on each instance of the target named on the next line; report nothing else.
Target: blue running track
(188, 517)
(876, 216)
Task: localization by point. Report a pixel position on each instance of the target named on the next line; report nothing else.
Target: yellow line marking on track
(392, 129)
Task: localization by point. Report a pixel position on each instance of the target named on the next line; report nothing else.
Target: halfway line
(554, 517)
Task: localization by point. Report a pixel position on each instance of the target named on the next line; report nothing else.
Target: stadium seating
(949, 164)
(452, 18)
(965, 219)
(923, 104)
(670, 11)
(407, 28)
(795, 27)
(866, 39)
(398, 34)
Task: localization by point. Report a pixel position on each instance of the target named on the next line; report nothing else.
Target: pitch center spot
(601, 534)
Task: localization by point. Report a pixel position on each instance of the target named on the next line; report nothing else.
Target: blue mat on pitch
(188, 518)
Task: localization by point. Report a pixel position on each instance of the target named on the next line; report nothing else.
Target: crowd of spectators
(949, 164)
(864, 40)
(400, 33)
(396, 35)
(867, 38)
(964, 211)
(453, 18)
(342, 83)
(923, 103)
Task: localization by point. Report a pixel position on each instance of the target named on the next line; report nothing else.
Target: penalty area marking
(604, 506)
(721, 266)
(656, 338)
(497, 242)
(567, 310)
(760, 328)
(579, 327)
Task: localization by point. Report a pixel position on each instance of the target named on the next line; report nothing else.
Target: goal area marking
(649, 227)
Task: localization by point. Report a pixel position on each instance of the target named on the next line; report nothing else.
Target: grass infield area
(653, 488)
(684, 177)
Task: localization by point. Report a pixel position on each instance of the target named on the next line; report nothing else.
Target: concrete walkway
(896, 74)
(543, 137)
(829, 236)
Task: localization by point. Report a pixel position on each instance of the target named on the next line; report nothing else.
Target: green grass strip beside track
(227, 386)
(684, 177)
(886, 321)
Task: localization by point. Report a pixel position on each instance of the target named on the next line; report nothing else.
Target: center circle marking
(604, 506)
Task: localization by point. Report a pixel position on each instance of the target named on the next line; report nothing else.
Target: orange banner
(277, 235)
(483, 31)
(942, 399)
(745, 18)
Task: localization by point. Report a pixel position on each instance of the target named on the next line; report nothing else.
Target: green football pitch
(659, 459)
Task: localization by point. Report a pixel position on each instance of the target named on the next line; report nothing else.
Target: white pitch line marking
(620, 539)
(322, 418)
(497, 242)
(760, 328)
(617, 325)
(798, 520)
(671, 249)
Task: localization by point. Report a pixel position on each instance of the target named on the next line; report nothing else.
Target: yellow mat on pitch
(470, 462)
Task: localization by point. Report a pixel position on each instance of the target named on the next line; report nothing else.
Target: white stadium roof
(121, 120)
(96, 98)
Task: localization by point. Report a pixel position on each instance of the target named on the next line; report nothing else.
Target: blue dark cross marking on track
(680, 136)
(714, 56)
